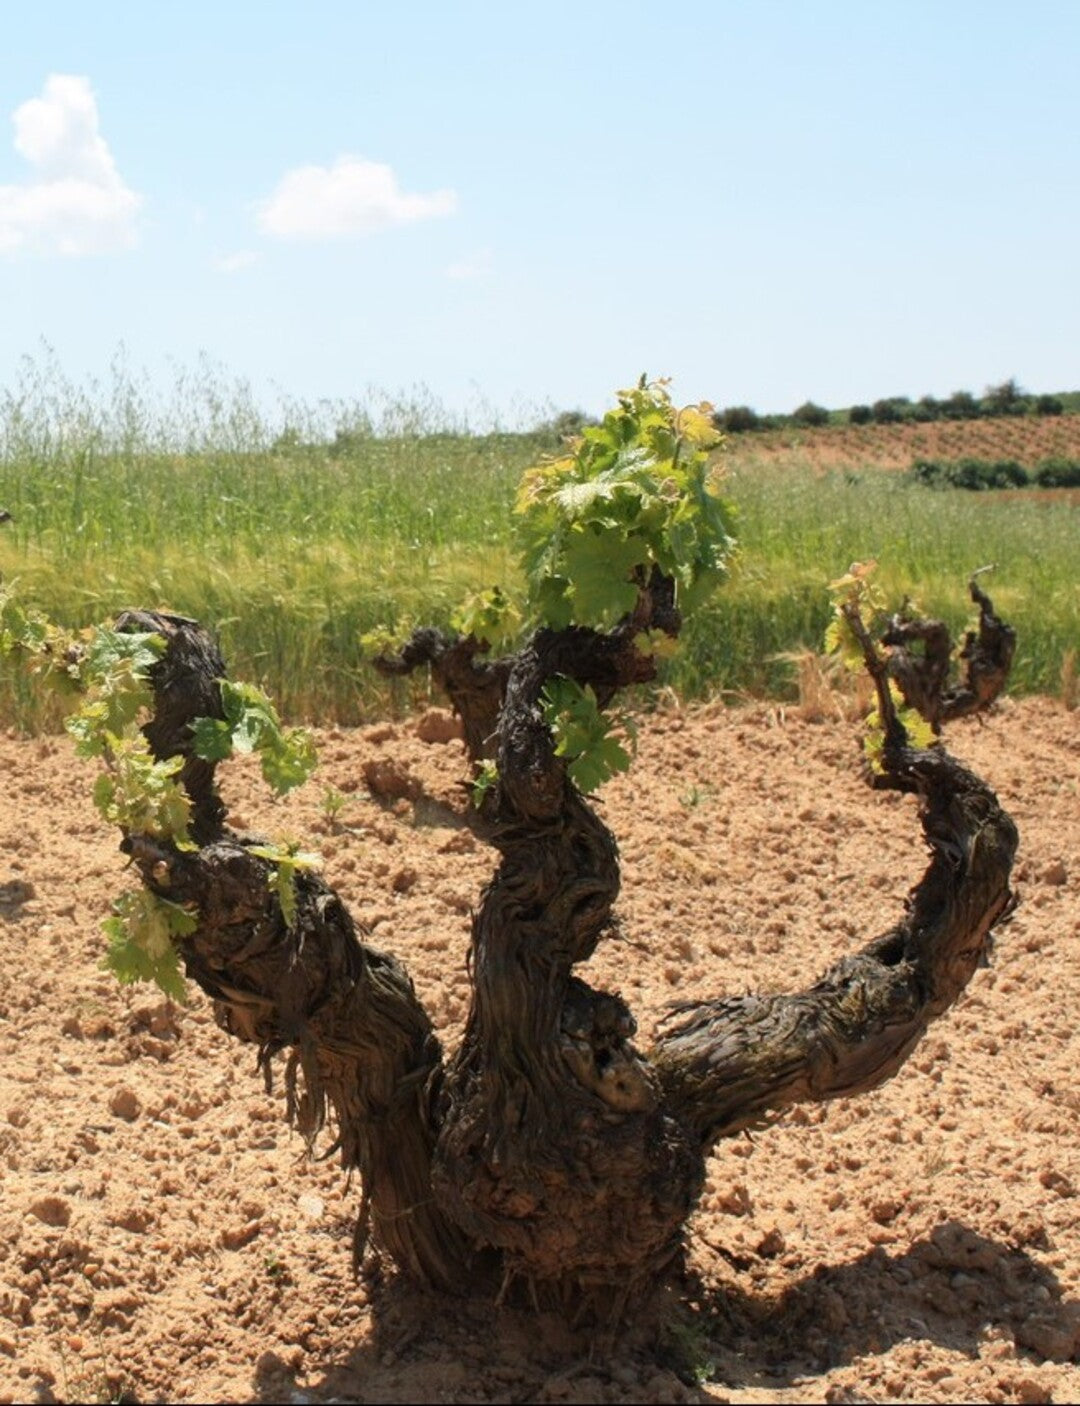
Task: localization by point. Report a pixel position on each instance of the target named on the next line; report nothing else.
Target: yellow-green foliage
(103, 677)
(634, 493)
(859, 612)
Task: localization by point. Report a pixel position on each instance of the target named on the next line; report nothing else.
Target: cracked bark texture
(556, 1146)
(549, 1148)
(346, 1012)
(734, 1063)
(474, 684)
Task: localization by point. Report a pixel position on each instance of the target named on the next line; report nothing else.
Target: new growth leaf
(285, 861)
(857, 624)
(591, 741)
(251, 724)
(638, 491)
(141, 948)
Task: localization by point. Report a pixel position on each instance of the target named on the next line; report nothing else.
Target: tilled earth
(164, 1236)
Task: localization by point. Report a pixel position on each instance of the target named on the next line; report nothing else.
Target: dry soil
(164, 1236)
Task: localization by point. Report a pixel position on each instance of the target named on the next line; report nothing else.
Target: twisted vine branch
(922, 674)
(549, 1144)
(347, 1012)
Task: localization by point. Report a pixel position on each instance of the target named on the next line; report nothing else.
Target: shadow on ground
(701, 1341)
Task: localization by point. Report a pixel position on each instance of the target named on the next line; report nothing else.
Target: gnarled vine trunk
(548, 1147)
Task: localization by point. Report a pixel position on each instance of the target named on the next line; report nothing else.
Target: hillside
(1027, 439)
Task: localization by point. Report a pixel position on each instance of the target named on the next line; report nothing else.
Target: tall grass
(800, 528)
(293, 535)
(297, 530)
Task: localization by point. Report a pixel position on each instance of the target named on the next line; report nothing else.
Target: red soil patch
(162, 1233)
(1028, 441)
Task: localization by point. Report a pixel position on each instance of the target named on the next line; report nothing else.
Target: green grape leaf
(141, 946)
(20, 628)
(852, 591)
(139, 794)
(212, 739)
(489, 616)
(657, 643)
(638, 492)
(598, 568)
(841, 641)
(108, 651)
(382, 640)
(576, 499)
(552, 601)
(487, 776)
(249, 713)
(855, 582)
(87, 728)
(597, 764)
(288, 759)
(588, 739)
(855, 629)
(695, 424)
(920, 734)
(287, 756)
(285, 861)
(111, 669)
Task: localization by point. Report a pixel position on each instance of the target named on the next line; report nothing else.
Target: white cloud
(76, 202)
(351, 197)
(473, 267)
(233, 263)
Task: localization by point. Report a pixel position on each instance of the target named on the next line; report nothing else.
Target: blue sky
(518, 207)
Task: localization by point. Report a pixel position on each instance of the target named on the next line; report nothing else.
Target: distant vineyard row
(1030, 441)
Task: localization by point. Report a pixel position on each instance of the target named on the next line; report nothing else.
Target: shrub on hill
(973, 474)
(961, 405)
(887, 412)
(737, 419)
(999, 473)
(810, 415)
(567, 424)
(1006, 399)
(1057, 473)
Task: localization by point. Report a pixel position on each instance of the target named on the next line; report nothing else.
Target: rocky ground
(163, 1236)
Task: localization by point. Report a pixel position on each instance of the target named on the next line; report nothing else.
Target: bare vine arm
(474, 684)
(728, 1064)
(922, 676)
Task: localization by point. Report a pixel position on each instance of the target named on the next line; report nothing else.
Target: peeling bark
(555, 1145)
(549, 1148)
(346, 1011)
(729, 1064)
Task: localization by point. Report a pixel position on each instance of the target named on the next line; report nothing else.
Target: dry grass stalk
(826, 689)
(1070, 680)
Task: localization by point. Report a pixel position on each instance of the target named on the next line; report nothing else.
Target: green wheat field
(296, 532)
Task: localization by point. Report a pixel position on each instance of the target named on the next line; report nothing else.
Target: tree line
(1002, 400)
